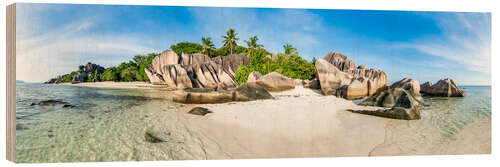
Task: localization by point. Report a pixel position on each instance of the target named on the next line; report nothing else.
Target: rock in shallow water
(444, 88)
(151, 136)
(53, 103)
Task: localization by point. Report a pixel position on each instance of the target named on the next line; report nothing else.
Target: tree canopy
(230, 40)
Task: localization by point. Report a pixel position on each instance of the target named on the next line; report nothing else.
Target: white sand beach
(298, 123)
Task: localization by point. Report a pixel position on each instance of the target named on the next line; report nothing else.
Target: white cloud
(467, 41)
(46, 53)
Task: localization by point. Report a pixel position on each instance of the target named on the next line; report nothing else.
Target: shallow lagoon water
(109, 124)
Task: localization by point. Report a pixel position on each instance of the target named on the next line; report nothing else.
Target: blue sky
(427, 46)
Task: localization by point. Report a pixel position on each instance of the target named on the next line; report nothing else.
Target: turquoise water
(451, 114)
(104, 125)
(109, 124)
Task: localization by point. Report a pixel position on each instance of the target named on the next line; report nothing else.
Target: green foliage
(292, 66)
(141, 75)
(241, 75)
(69, 77)
(225, 51)
(230, 40)
(314, 61)
(110, 74)
(208, 46)
(186, 47)
(94, 77)
(128, 74)
(289, 49)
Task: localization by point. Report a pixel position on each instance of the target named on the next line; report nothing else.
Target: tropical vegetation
(288, 63)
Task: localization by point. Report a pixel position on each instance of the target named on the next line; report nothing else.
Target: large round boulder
(254, 76)
(276, 82)
(358, 88)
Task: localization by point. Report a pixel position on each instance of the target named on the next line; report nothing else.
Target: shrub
(292, 66)
(241, 75)
(186, 47)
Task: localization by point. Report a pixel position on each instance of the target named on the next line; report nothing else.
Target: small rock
(53, 103)
(151, 137)
(199, 111)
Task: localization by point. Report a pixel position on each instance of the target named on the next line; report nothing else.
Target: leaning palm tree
(208, 45)
(289, 49)
(230, 40)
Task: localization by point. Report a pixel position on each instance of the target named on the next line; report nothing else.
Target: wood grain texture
(11, 82)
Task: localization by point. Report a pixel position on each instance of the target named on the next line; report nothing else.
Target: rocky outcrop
(254, 76)
(232, 61)
(245, 92)
(338, 75)
(444, 88)
(82, 74)
(339, 60)
(195, 58)
(85, 71)
(408, 84)
(411, 85)
(210, 75)
(426, 87)
(91, 68)
(401, 100)
(276, 82)
(399, 103)
(330, 77)
(195, 70)
(174, 76)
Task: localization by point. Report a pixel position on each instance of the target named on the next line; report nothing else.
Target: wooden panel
(11, 82)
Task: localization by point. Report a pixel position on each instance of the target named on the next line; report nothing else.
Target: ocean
(109, 124)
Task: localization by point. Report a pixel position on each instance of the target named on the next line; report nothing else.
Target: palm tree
(252, 43)
(230, 39)
(289, 49)
(208, 45)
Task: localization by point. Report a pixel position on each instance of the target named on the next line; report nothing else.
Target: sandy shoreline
(117, 85)
(303, 123)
